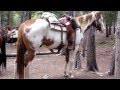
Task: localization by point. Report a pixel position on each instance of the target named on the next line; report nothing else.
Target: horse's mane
(84, 19)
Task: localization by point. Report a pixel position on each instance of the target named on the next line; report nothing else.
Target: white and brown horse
(37, 32)
(34, 33)
(95, 19)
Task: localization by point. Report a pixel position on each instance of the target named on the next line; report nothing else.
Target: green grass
(107, 42)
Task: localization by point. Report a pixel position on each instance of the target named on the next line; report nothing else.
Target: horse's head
(49, 16)
(99, 22)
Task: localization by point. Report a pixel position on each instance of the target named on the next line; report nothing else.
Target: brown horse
(3, 41)
(2, 52)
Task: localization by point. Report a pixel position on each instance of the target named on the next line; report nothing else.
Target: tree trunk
(78, 61)
(107, 31)
(117, 46)
(91, 53)
(110, 25)
(28, 15)
(114, 27)
(112, 66)
(85, 38)
(8, 18)
(22, 17)
(25, 15)
(1, 20)
(84, 44)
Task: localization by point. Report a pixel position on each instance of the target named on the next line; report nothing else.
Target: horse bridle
(97, 24)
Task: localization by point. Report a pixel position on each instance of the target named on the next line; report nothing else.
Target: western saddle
(70, 28)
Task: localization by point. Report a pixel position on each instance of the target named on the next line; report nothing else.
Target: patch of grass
(107, 42)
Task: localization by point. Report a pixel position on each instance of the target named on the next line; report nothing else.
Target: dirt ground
(52, 66)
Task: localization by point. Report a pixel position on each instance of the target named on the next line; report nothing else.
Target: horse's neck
(85, 21)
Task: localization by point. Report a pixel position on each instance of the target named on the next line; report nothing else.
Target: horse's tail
(3, 53)
(20, 56)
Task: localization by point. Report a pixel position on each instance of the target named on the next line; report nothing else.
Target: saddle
(57, 26)
(70, 30)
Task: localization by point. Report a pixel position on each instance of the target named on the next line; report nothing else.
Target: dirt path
(53, 65)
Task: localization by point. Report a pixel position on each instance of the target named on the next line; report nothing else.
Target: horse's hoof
(69, 76)
(66, 77)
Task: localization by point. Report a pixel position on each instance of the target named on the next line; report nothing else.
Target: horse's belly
(36, 41)
(54, 45)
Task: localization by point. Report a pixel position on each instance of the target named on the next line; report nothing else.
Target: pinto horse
(95, 19)
(34, 33)
(2, 52)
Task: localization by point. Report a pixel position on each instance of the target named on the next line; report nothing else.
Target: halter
(98, 25)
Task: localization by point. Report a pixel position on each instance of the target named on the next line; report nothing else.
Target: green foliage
(58, 13)
(110, 16)
(36, 14)
(15, 18)
(107, 42)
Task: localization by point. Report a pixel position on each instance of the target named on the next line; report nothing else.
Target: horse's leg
(71, 63)
(63, 51)
(27, 71)
(3, 69)
(51, 50)
(28, 58)
(15, 71)
(84, 43)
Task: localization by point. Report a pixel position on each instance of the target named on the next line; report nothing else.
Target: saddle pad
(57, 27)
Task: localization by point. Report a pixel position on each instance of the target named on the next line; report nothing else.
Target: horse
(3, 40)
(36, 32)
(2, 52)
(94, 19)
(12, 35)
